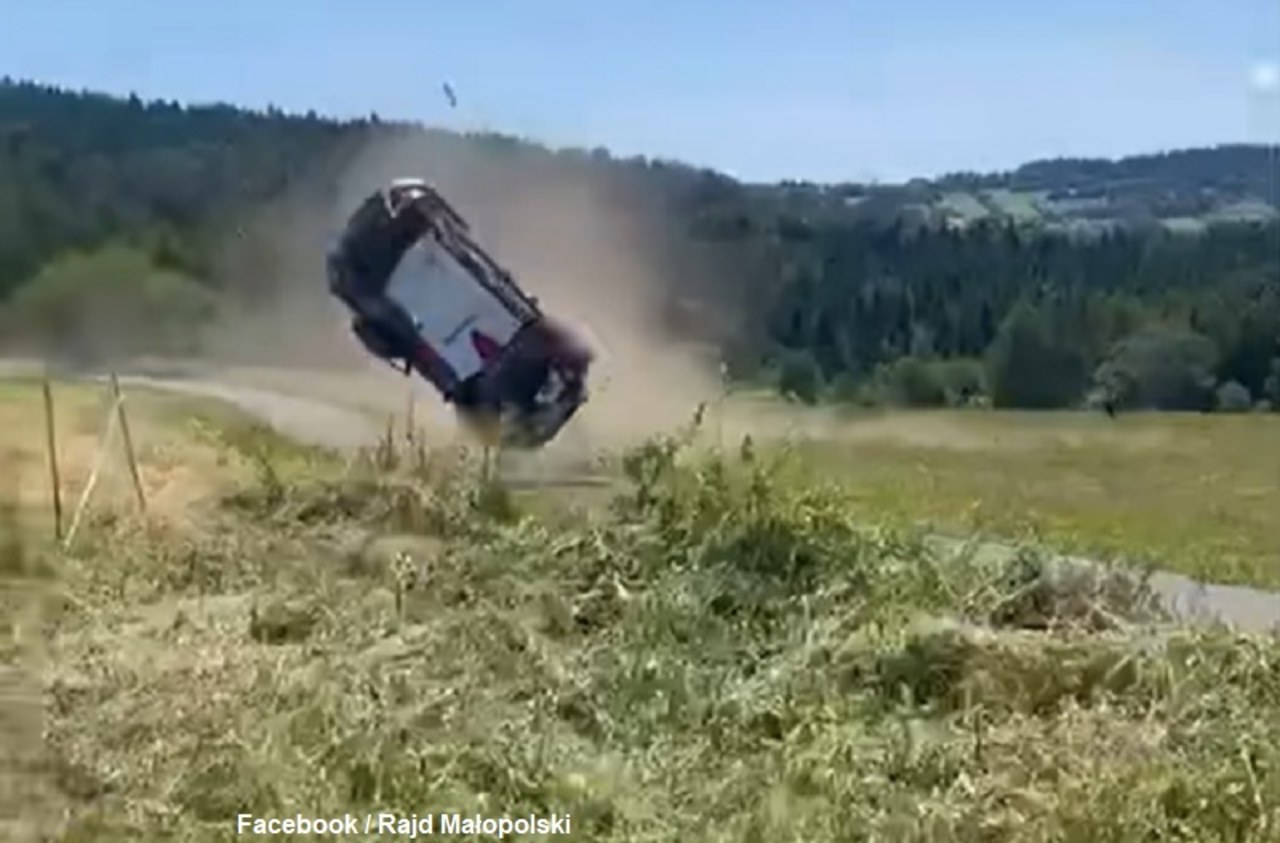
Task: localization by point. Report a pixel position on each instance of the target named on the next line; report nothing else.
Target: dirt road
(342, 419)
(309, 420)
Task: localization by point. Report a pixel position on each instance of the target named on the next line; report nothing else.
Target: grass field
(1019, 205)
(726, 651)
(1199, 494)
(964, 205)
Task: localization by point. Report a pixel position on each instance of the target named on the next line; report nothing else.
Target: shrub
(799, 377)
(1232, 397)
(1161, 368)
(110, 302)
(1032, 365)
(920, 382)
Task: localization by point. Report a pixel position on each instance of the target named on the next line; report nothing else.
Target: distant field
(965, 205)
(1197, 494)
(1184, 225)
(1019, 205)
(1251, 211)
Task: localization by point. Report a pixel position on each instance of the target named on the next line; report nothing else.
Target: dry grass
(180, 464)
(183, 463)
(722, 653)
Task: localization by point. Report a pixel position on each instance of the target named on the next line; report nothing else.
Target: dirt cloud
(593, 248)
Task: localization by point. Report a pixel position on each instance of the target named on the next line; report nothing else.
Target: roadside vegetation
(724, 649)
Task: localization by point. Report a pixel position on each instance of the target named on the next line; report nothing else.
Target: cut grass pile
(1191, 493)
(722, 653)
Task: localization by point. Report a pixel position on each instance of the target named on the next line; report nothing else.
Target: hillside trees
(830, 290)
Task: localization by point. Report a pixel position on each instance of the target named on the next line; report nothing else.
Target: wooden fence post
(104, 446)
(410, 433)
(128, 443)
(51, 443)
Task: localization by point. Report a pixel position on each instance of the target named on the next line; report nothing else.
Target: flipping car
(427, 298)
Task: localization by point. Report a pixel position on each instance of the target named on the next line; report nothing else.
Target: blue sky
(762, 89)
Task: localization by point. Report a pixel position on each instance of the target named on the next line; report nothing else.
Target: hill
(119, 216)
(1176, 188)
(1185, 189)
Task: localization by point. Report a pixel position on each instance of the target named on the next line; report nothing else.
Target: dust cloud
(591, 248)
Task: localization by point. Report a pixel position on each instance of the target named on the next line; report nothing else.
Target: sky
(821, 90)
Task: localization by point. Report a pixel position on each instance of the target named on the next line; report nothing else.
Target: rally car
(428, 297)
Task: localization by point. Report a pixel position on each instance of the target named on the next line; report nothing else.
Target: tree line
(123, 223)
(1026, 318)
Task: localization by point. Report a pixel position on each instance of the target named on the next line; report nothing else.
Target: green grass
(1193, 493)
(726, 651)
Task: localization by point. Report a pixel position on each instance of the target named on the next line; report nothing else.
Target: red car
(426, 296)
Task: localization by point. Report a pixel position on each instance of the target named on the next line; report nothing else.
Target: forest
(144, 215)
